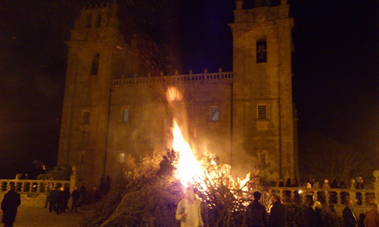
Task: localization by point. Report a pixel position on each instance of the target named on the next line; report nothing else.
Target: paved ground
(41, 217)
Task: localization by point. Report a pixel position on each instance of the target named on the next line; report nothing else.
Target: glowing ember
(173, 94)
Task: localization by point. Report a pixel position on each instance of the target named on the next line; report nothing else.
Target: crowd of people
(315, 214)
(58, 197)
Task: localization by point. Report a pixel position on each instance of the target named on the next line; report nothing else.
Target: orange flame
(188, 167)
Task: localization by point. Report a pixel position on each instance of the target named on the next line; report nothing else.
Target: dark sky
(335, 66)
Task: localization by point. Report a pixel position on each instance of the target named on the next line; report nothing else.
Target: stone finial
(176, 72)
(220, 69)
(190, 71)
(148, 74)
(205, 70)
(352, 186)
(376, 175)
(161, 73)
(239, 4)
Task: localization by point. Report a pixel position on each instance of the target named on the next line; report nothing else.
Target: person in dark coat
(9, 206)
(83, 194)
(331, 219)
(60, 200)
(96, 196)
(349, 217)
(313, 215)
(53, 197)
(75, 200)
(278, 214)
(256, 215)
(66, 198)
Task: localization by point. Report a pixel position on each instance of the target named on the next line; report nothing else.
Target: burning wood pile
(147, 193)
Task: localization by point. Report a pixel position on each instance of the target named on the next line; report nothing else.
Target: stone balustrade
(31, 186)
(335, 196)
(209, 77)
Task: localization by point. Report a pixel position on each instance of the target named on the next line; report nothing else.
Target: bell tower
(263, 121)
(95, 56)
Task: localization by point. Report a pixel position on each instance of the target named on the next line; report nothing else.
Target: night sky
(335, 66)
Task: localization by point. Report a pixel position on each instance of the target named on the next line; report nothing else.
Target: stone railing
(335, 196)
(208, 77)
(31, 186)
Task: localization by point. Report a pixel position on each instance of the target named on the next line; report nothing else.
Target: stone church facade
(245, 117)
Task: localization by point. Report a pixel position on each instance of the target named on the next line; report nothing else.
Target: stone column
(376, 184)
(73, 180)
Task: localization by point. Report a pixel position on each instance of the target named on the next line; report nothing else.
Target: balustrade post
(292, 195)
(327, 197)
(363, 198)
(352, 196)
(315, 195)
(339, 198)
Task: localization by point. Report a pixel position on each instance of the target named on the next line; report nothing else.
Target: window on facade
(214, 113)
(261, 51)
(89, 21)
(125, 115)
(85, 117)
(98, 21)
(95, 65)
(121, 158)
(262, 112)
(262, 158)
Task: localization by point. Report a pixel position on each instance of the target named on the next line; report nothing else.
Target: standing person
(9, 206)
(83, 196)
(66, 198)
(278, 214)
(75, 200)
(372, 217)
(331, 219)
(188, 211)
(256, 215)
(49, 189)
(361, 221)
(53, 197)
(349, 217)
(96, 196)
(313, 215)
(60, 200)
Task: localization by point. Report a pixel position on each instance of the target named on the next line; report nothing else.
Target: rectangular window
(85, 117)
(262, 114)
(261, 51)
(214, 113)
(121, 158)
(262, 158)
(125, 115)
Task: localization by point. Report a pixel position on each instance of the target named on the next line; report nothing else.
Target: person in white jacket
(188, 211)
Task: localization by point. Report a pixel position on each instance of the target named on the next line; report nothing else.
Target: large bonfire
(147, 193)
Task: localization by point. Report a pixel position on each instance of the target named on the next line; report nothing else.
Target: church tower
(95, 57)
(263, 122)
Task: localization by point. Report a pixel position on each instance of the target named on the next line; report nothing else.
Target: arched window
(95, 65)
(261, 51)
